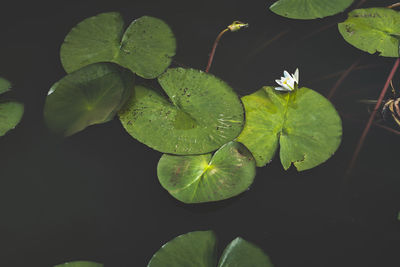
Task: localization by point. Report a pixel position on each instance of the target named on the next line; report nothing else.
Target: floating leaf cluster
(10, 111)
(199, 248)
(373, 30)
(197, 120)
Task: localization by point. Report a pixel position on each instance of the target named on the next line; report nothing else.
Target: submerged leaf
(242, 253)
(304, 124)
(309, 9)
(4, 85)
(10, 115)
(91, 95)
(200, 114)
(198, 249)
(146, 47)
(80, 264)
(194, 249)
(373, 30)
(205, 178)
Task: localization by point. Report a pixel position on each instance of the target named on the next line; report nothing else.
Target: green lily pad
(80, 264)
(198, 249)
(4, 85)
(309, 9)
(10, 115)
(373, 30)
(304, 123)
(242, 253)
(205, 178)
(146, 47)
(200, 114)
(194, 249)
(91, 95)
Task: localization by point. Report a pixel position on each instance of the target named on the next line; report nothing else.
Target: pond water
(96, 195)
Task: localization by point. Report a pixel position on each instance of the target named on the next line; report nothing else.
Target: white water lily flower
(289, 82)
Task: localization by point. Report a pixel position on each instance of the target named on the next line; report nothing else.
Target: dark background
(95, 196)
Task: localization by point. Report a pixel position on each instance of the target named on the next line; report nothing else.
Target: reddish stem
(372, 117)
(360, 3)
(210, 59)
(339, 73)
(387, 128)
(266, 44)
(341, 79)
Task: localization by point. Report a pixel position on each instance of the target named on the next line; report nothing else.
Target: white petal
(290, 84)
(287, 87)
(287, 75)
(296, 75)
(279, 82)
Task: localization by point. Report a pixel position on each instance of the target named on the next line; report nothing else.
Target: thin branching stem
(371, 118)
(342, 77)
(263, 46)
(338, 73)
(375, 123)
(386, 128)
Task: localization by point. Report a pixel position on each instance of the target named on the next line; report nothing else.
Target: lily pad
(146, 47)
(10, 115)
(91, 95)
(201, 113)
(242, 253)
(304, 123)
(205, 178)
(194, 249)
(4, 85)
(198, 249)
(80, 264)
(373, 30)
(309, 9)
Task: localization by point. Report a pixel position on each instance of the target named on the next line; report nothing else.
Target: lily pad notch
(303, 123)
(146, 47)
(199, 114)
(205, 178)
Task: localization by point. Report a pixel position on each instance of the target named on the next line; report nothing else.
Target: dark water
(96, 196)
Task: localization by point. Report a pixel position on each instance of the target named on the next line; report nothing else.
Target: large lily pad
(10, 115)
(80, 264)
(204, 178)
(309, 9)
(194, 249)
(198, 249)
(146, 47)
(200, 114)
(241, 253)
(304, 123)
(91, 95)
(373, 30)
(4, 85)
